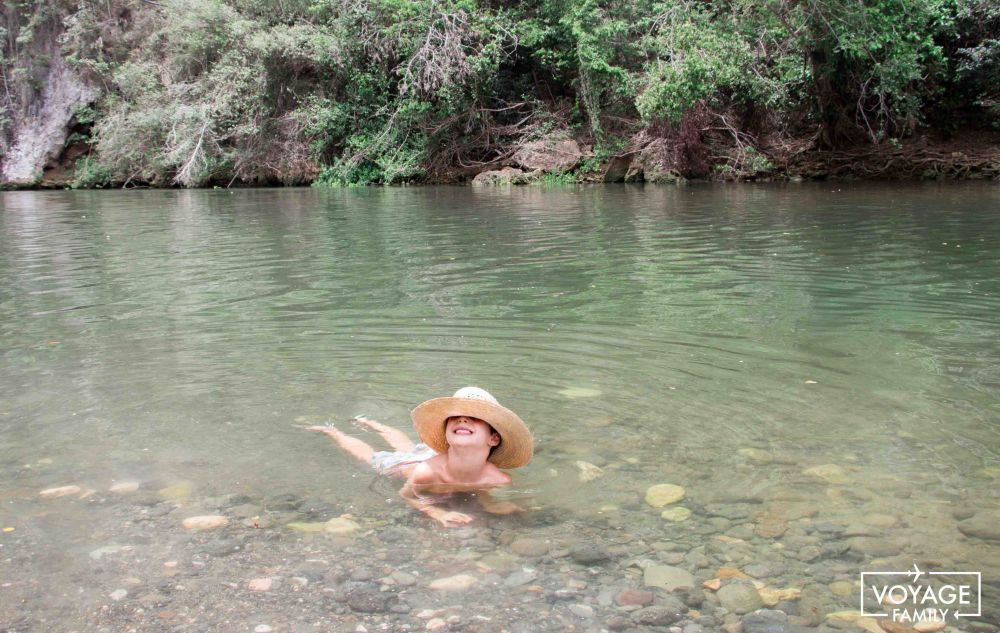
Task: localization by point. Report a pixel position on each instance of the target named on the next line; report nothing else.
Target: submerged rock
(983, 524)
(206, 522)
(530, 547)
(664, 494)
(739, 597)
(676, 514)
(459, 582)
(667, 577)
(830, 473)
(61, 491)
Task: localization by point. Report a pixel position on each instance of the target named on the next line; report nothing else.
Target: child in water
(465, 441)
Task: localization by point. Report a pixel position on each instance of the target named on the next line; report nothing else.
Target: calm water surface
(178, 336)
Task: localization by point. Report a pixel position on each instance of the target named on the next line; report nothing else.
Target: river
(794, 356)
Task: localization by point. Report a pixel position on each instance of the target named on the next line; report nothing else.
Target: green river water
(726, 339)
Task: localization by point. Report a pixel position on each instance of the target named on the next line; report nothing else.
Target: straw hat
(515, 447)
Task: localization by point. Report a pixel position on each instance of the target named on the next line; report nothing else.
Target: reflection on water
(726, 339)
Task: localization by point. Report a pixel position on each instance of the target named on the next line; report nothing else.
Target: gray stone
(985, 524)
(368, 598)
(871, 546)
(697, 559)
(403, 579)
(739, 597)
(809, 553)
(554, 153)
(667, 577)
(530, 547)
(505, 176)
(582, 611)
(764, 570)
(765, 621)
(589, 553)
(657, 615)
(521, 577)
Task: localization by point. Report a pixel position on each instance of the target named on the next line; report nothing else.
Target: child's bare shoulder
(496, 477)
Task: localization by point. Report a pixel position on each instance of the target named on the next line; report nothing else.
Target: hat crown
(475, 393)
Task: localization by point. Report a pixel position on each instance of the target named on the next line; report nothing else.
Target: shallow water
(177, 337)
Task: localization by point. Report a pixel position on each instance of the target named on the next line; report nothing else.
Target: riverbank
(971, 156)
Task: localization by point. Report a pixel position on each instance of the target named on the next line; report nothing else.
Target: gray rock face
(40, 139)
(983, 524)
(505, 176)
(739, 597)
(554, 153)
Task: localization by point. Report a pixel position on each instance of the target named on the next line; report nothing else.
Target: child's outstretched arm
(423, 476)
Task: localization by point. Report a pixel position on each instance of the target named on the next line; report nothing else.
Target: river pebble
(667, 577)
(530, 547)
(739, 597)
(589, 553)
(660, 495)
(205, 522)
(458, 582)
(829, 473)
(61, 491)
(984, 524)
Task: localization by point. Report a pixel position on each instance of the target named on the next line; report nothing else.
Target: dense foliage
(356, 91)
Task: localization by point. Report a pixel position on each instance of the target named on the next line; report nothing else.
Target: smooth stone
(341, 526)
(118, 594)
(521, 577)
(124, 487)
(756, 456)
(763, 570)
(61, 491)
(589, 553)
(588, 471)
(530, 547)
(308, 528)
(263, 628)
(176, 492)
(260, 584)
(871, 546)
(983, 524)
(403, 579)
(207, 522)
(659, 615)
(366, 597)
(842, 588)
(739, 597)
(459, 582)
(667, 577)
(582, 611)
(765, 621)
(664, 494)
(830, 473)
(436, 624)
(676, 514)
(635, 597)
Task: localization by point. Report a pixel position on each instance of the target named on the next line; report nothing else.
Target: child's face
(465, 431)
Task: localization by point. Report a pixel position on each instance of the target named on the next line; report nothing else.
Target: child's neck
(465, 465)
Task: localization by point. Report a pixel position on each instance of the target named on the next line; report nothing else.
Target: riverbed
(815, 366)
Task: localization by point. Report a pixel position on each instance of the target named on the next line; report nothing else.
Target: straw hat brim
(516, 443)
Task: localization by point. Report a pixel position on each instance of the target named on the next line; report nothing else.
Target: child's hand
(452, 519)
